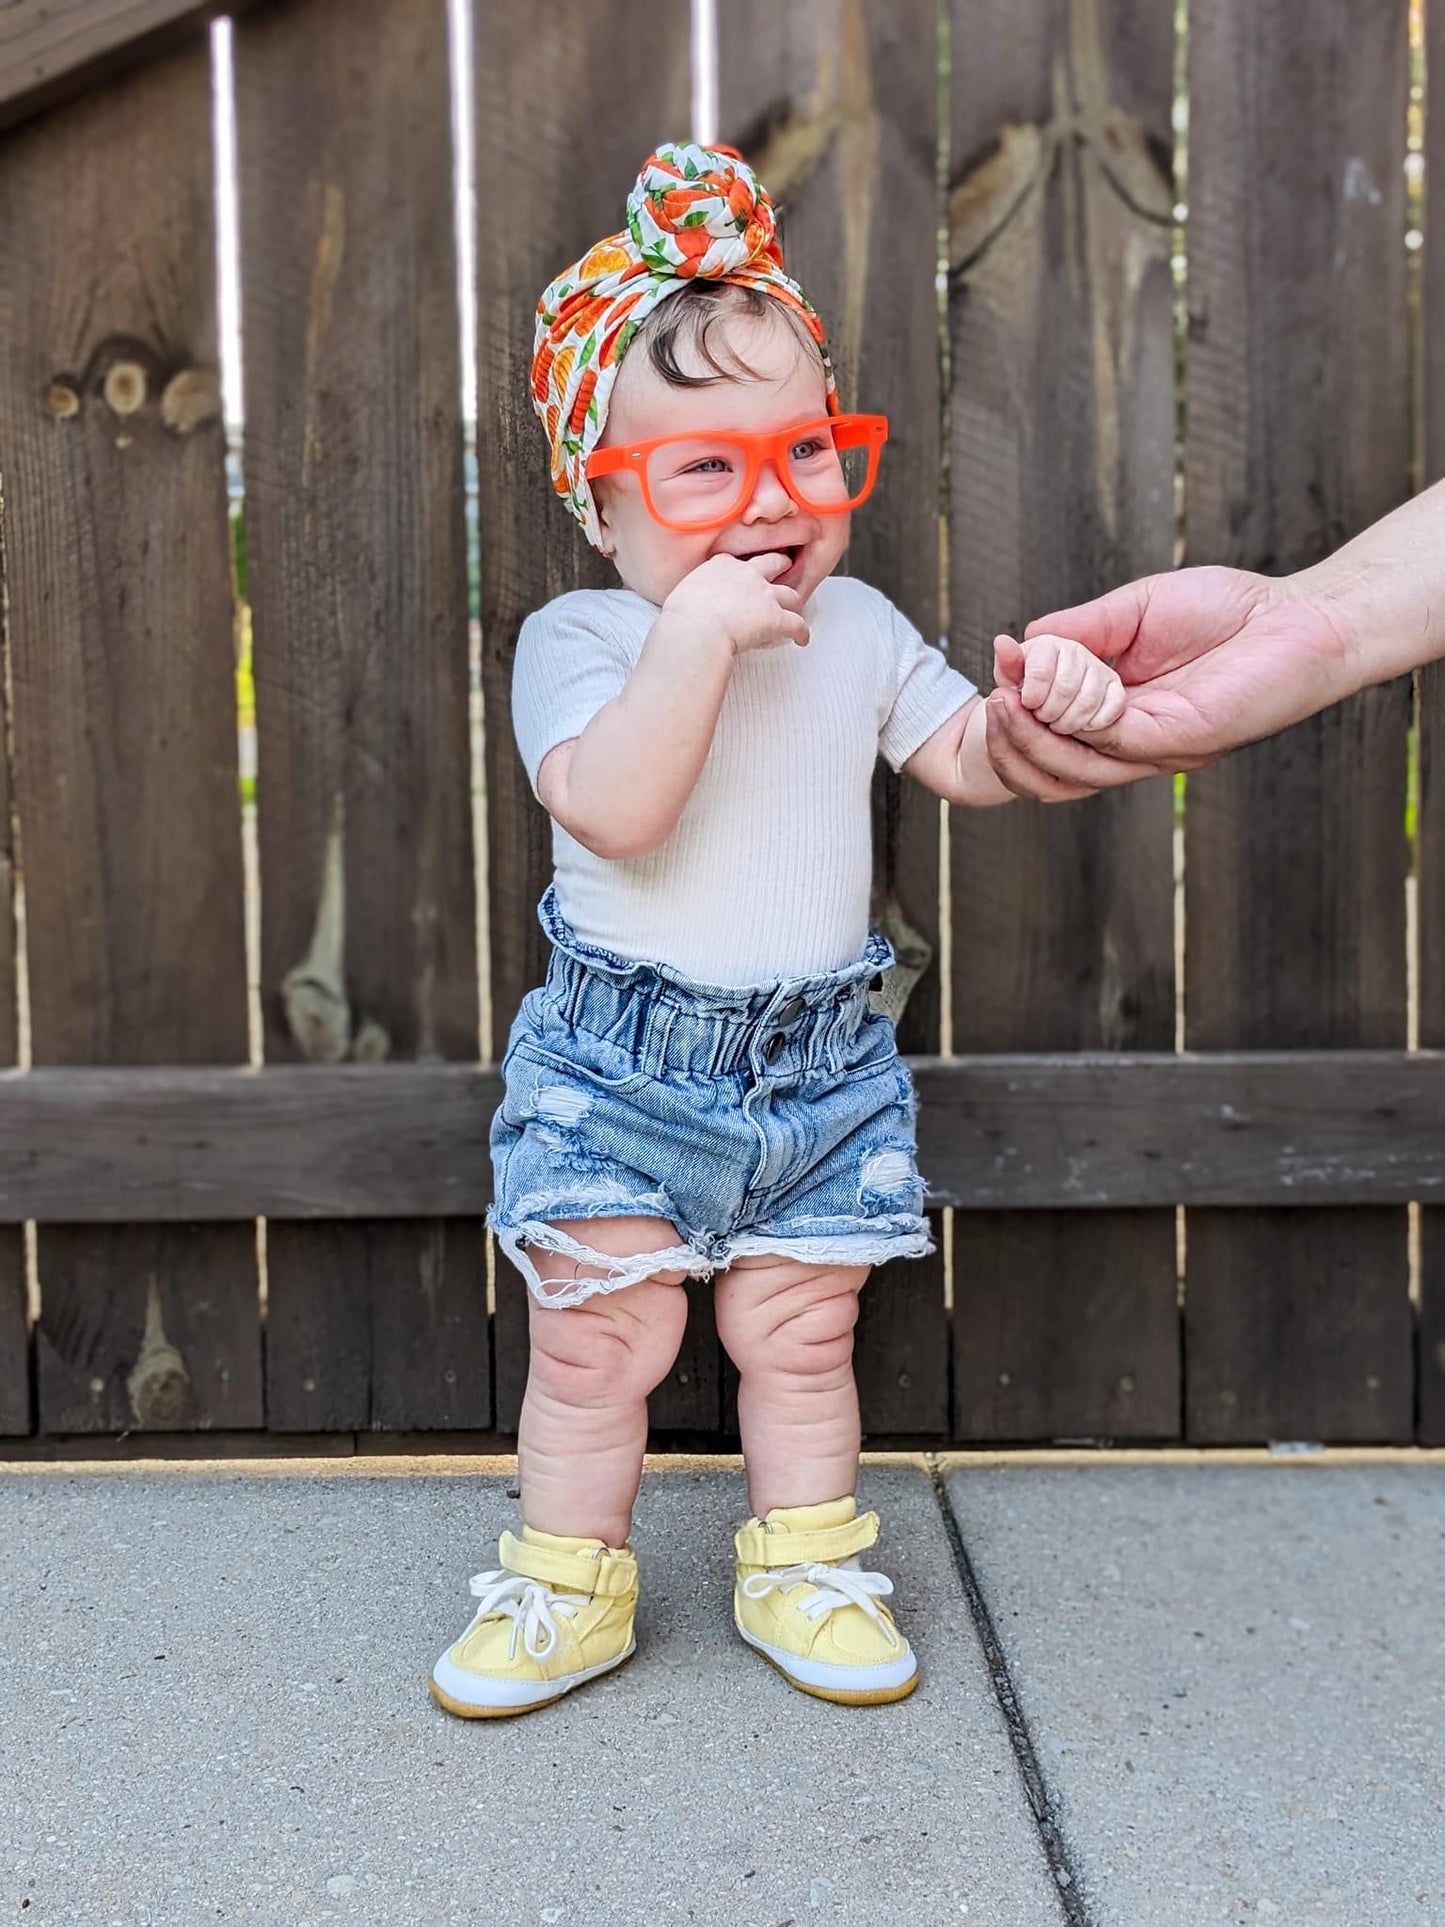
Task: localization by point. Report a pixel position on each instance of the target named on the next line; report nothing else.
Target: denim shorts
(777, 1119)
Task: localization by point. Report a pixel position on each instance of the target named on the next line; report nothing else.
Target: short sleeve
(571, 660)
(928, 690)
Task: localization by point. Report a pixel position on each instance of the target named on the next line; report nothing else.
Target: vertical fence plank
(569, 101)
(14, 1339)
(357, 575)
(125, 725)
(835, 104)
(1298, 435)
(1062, 404)
(1431, 903)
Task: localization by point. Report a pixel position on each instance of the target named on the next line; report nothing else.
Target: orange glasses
(691, 483)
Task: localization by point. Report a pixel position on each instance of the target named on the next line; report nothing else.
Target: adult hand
(1211, 658)
(1214, 657)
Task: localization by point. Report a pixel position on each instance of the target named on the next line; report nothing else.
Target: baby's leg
(788, 1327)
(584, 1418)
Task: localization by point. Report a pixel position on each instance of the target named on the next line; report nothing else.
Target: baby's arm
(621, 785)
(1064, 685)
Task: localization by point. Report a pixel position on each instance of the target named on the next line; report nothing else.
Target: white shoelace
(528, 1604)
(837, 1586)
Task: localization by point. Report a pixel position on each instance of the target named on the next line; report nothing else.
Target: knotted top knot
(701, 211)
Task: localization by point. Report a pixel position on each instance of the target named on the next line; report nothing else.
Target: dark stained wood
(1061, 424)
(124, 717)
(1058, 1340)
(14, 1336)
(50, 49)
(1323, 1351)
(1298, 436)
(1431, 904)
(996, 1132)
(383, 1326)
(835, 102)
(357, 578)
(569, 102)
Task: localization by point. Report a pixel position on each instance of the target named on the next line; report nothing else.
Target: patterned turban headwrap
(693, 212)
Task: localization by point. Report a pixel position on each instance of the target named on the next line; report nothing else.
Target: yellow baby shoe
(803, 1603)
(557, 1614)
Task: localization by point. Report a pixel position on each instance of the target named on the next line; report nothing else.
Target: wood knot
(62, 401)
(190, 399)
(125, 387)
(159, 1386)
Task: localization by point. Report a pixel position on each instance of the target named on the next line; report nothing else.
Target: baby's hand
(740, 600)
(1062, 682)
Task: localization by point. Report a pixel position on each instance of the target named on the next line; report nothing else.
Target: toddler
(702, 1086)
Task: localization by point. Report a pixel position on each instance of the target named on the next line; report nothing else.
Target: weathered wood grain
(1066, 1312)
(1298, 436)
(357, 578)
(124, 708)
(1061, 424)
(1089, 1132)
(835, 102)
(50, 49)
(15, 1413)
(1431, 901)
(569, 102)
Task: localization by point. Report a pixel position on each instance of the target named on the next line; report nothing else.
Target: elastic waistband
(666, 1021)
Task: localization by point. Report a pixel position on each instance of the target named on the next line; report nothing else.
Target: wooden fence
(1047, 410)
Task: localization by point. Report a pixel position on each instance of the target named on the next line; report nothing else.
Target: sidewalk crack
(1056, 1848)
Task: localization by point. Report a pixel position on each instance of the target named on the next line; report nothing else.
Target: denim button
(774, 1045)
(791, 1009)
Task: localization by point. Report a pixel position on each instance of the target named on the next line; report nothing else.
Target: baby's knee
(615, 1346)
(804, 1329)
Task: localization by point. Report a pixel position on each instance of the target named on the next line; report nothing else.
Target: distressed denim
(775, 1119)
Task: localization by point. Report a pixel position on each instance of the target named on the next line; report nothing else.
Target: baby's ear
(605, 545)
(1008, 663)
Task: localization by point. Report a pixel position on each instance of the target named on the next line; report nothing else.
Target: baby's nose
(770, 500)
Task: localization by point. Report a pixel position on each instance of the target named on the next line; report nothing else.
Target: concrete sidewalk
(1155, 1694)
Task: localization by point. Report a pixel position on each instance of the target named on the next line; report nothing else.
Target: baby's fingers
(1100, 694)
(1008, 663)
(1041, 661)
(1069, 668)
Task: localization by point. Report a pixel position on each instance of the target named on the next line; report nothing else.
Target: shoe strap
(611, 1571)
(756, 1546)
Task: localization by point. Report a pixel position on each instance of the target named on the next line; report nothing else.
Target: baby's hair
(692, 318)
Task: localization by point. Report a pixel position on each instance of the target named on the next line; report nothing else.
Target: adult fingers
(1062, 759)
(1107, 625)
(1018, 773)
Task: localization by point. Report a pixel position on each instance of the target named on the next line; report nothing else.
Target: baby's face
(652, 560)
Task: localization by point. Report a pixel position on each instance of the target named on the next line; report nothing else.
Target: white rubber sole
(474, 1696)
(895, 1679)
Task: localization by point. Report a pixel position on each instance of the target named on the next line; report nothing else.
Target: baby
(702, 1086)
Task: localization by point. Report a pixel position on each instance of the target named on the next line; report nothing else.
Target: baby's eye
(709, 465)
(808, 451)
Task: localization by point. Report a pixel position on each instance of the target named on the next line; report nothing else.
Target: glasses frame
(846, 431)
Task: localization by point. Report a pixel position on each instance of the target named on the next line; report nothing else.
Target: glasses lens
(696, 479)
(825, 475)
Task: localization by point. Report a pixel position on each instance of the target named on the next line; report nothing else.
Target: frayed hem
(559, 1294)
(847, 1248)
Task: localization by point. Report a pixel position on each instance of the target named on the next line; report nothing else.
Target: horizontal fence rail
(1087, 1131)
